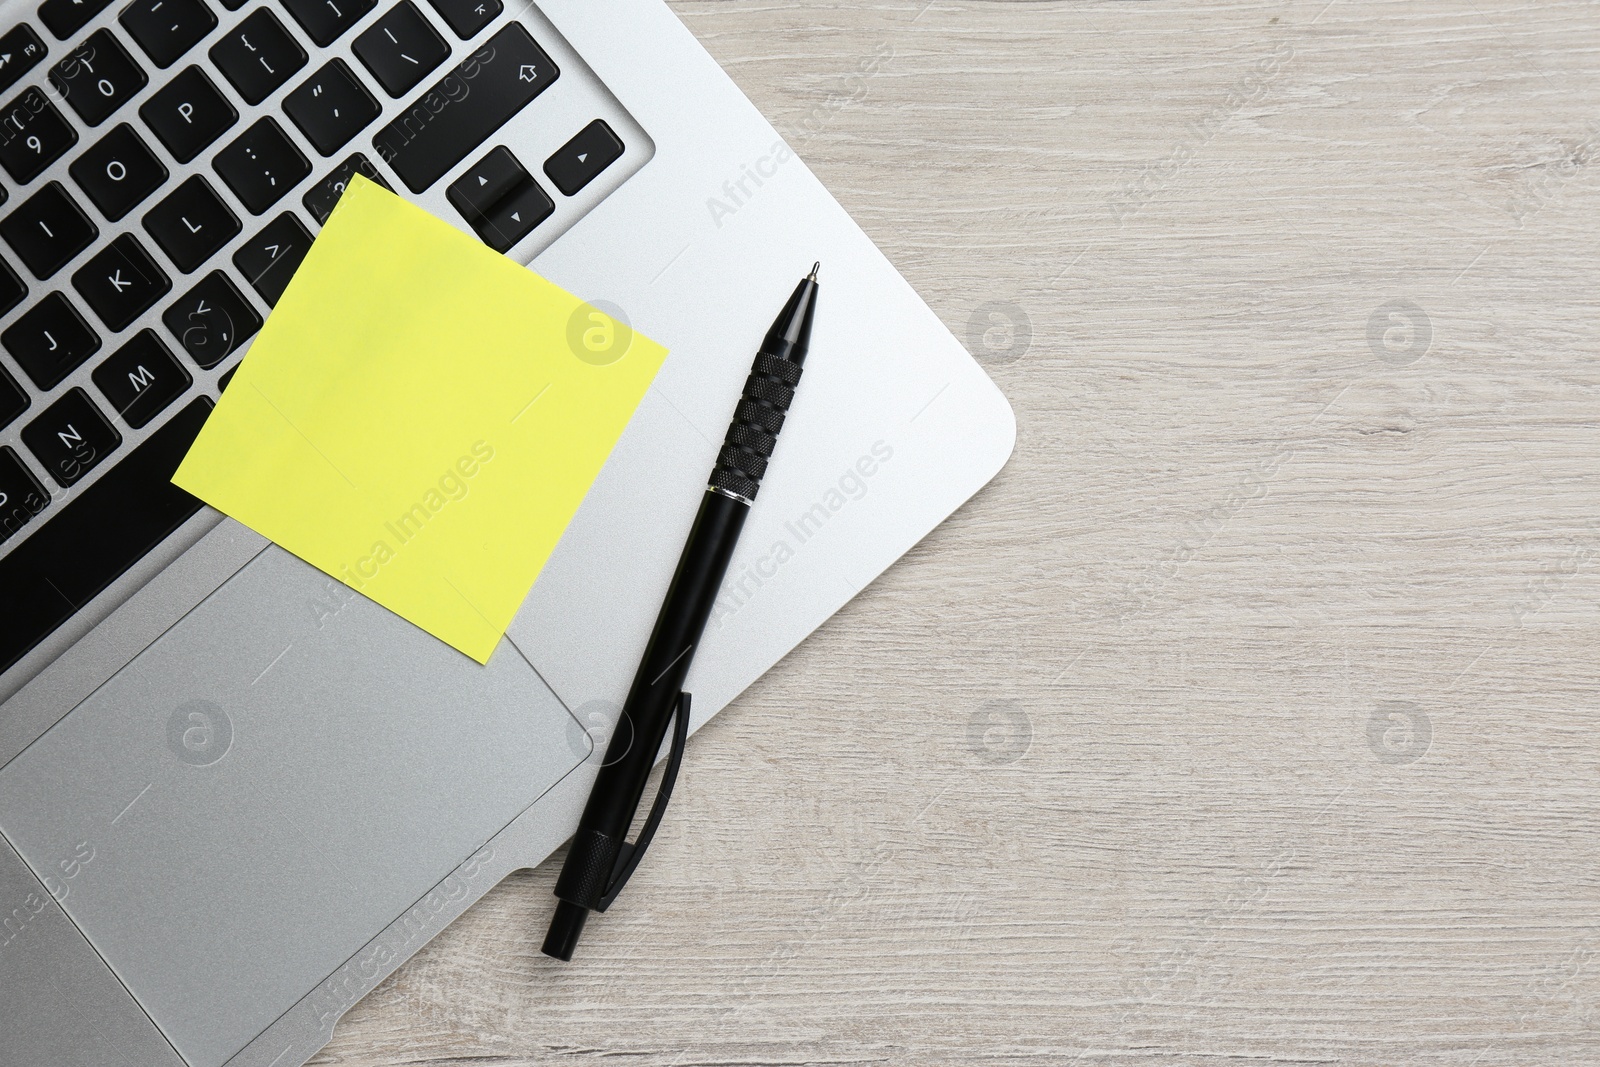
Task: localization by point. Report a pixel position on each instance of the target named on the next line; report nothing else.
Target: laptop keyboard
(169, 164)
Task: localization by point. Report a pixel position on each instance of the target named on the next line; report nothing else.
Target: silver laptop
(234, 796)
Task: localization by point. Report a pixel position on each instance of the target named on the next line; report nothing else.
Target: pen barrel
(647, 712)
(592, 861)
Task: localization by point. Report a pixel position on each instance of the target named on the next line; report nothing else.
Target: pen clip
(628, 856)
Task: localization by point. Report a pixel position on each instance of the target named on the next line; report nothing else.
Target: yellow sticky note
(420, 418)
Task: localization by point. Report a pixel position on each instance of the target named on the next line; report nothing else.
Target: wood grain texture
(1251, 715)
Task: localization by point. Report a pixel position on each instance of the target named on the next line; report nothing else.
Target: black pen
(601, 860)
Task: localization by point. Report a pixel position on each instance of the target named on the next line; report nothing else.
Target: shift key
(469, 104)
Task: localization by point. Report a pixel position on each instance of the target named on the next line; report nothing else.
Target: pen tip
(813, 275)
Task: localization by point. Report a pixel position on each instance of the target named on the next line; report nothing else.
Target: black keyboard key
(47, 230)
(321, 197)
(50, 340)
(514, 217)
(13, 401)
(188, 114)
(166, 29)
(227, 376)
(121, 282)
(401, 49)
(257, 56)
(486, 183)
(261, 165)
(467, 17)
(91, 541)
(70, 438)
(465, 108)
(66, 17)
(212, 320)
(12, 289)
(21, 495)
(33, 135)
(577, 162)
(269, 259)
(118, 172)
(500, 200)
(326, 20)
(141, 379)
(20, 51)
(97, 77)
(331, 107)
(192, 224)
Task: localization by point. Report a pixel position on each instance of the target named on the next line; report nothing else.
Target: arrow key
(499, 199)
(269, 259)
(577, 162)
(514, 217)
(486, 183)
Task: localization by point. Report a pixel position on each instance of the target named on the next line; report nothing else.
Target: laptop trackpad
(266, 787)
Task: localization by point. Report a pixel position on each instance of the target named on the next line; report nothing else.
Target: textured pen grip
(587, 873)
(768, 392)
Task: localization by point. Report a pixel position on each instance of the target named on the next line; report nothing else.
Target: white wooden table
(1251, 715)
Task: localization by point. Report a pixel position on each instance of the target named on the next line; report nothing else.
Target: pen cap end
(565, 929)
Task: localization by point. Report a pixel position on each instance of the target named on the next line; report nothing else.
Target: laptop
(234, 795)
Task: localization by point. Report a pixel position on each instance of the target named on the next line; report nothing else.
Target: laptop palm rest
(267, 786)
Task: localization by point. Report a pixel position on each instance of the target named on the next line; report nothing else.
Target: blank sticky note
(420, 418)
